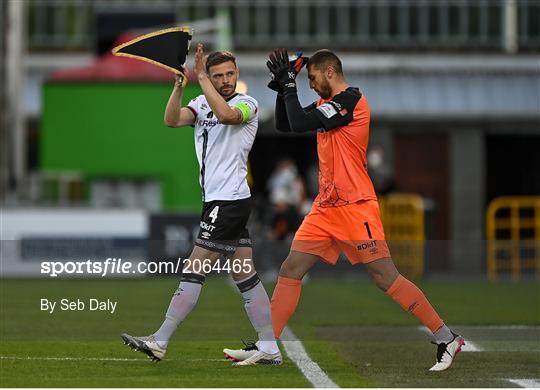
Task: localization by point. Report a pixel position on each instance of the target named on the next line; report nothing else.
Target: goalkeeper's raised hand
(282, 71)
(297, 62)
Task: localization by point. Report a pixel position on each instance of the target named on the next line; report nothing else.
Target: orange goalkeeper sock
(413, 300)
(284, 301)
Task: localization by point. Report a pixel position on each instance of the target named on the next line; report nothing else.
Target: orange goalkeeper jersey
(341, 146)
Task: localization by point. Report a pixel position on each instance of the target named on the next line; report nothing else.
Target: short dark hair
(323, 58)
(219, 57)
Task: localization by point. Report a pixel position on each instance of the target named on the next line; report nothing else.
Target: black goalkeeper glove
(282, 71)
(297, 62)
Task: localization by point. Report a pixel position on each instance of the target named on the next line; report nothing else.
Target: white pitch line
(528, 383)
(297, 353)
(311, 370)
(74, 358)
(468, 347)
(511, 327)
(69, 358)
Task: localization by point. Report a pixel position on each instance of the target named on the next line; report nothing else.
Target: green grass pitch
(358, 336)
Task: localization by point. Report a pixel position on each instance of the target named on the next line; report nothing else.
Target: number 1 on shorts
(368, 231)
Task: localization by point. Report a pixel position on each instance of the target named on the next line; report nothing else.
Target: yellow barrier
(403, 220)
(513, 233)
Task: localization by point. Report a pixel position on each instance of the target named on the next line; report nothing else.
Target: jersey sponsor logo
(327, 110)
(207, 123)
(207, 226)
(204, 106)
(205, 235)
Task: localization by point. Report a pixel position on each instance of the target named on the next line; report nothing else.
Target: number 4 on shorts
(213, 213)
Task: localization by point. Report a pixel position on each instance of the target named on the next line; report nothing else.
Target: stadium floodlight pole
(510, 40)
(14, 84)
(4, 162)
(223, 32)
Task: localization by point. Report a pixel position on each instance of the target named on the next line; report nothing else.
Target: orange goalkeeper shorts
(355, 229)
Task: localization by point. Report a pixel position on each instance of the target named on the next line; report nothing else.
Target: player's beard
(324, 90)
(227, 90)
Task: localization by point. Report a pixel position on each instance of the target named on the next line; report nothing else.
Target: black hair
(324, 58)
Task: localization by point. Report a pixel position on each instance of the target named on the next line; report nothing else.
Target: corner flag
(165, 48)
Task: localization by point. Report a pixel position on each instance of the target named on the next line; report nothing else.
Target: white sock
(182, 302)
(443, 335)
(257, 307)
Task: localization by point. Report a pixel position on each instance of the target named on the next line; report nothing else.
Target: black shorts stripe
(245, 242)
(215, 246)
(247, 285)
(192, 278)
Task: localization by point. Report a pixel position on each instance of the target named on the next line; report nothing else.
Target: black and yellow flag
(166, 48)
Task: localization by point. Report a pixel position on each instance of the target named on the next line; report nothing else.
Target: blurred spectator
(281, 184)
(380, 171)
(287, 194)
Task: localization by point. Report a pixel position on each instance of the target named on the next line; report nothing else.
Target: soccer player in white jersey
(225, 125)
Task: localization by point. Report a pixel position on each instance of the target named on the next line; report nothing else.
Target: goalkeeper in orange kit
(345, 214)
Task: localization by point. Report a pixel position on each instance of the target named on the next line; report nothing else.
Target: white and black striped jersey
(222, 150)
